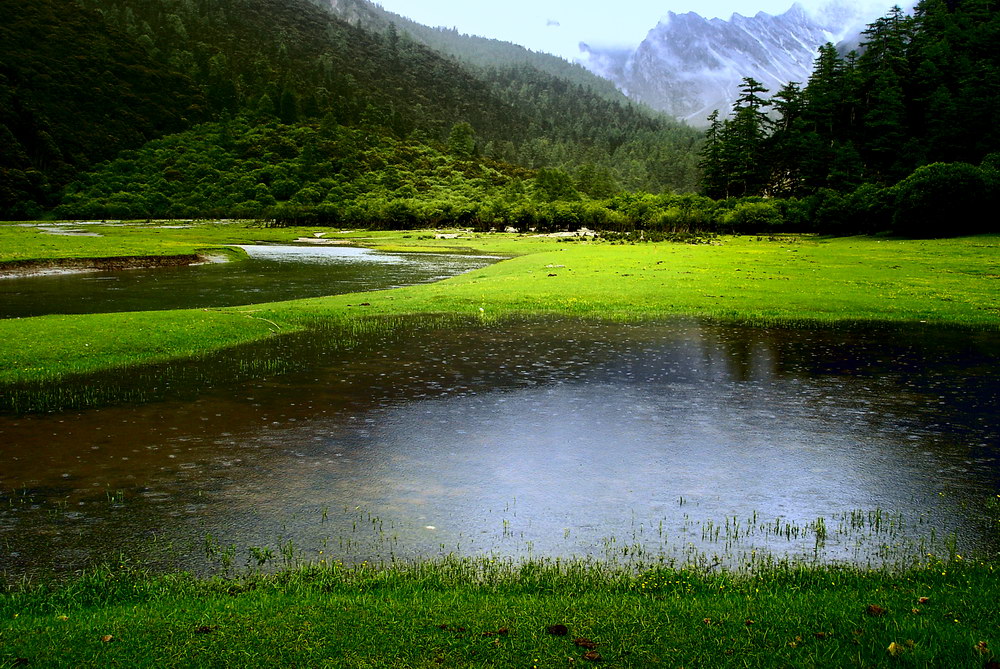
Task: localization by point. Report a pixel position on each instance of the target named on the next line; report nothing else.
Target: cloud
(552, 23)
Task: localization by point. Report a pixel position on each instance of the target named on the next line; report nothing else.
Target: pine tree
(714, 179)
(788, 146)
(743, 140)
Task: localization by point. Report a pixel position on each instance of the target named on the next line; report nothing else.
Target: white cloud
(558, 26)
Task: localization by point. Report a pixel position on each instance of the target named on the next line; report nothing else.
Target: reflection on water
(546, 438)
(271, 274)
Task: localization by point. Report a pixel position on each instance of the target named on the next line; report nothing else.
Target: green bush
(942, 200)
(753, 217)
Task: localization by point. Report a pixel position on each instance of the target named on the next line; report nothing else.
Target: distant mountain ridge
(480, 52)
(688, 66)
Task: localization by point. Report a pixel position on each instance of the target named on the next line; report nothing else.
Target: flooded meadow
(676, 441)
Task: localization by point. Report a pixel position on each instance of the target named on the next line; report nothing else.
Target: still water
(271, 274)
(530, 438)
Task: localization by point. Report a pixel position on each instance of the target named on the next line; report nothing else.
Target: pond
(271, 274)
(678, 440)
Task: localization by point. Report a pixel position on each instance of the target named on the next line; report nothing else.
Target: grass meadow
(942, 612)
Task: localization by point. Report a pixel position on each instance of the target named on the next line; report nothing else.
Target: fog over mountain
(689, 66)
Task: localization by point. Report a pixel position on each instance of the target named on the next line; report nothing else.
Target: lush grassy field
(462, 614)
(788, 281)
(37, 241)
(476, 614)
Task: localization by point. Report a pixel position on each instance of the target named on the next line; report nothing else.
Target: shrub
(942, 200)
(751, 217)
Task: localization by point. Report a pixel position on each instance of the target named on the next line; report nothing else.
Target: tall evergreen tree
(714, 168)
(744, 139)
(789, 145)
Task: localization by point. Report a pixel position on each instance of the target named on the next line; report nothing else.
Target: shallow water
(540, 438)
(272, 273)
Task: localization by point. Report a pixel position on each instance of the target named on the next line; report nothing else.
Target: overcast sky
(558, 26)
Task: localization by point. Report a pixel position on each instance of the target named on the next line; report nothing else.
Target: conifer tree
(714, 170)
(744, 137)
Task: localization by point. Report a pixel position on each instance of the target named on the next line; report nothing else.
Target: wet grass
(474, 613)
(787, 282)
(36, 241)
(794, 281)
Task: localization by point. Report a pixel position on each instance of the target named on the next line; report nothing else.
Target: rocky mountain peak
(689, 65)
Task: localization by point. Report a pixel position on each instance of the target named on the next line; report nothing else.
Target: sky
(558, 26)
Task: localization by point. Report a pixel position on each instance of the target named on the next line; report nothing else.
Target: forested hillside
(903, 135)
(74, 91)
(293, 64)
(480, 52)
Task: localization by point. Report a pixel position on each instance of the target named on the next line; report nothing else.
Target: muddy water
(543, 438)
(271, 274)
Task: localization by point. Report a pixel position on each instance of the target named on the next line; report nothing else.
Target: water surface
(540, 438)
(272, 273)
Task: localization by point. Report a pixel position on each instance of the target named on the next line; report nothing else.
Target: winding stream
(271, 274)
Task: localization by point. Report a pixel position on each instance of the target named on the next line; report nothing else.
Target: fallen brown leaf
(107, 638)
(593, 656)
(584, 642)
(557, 630)
(875, 610)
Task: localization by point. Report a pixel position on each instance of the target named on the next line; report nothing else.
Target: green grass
(484, 613)
(21, 242)
(451, 613)
(799, 281)
(790, 281)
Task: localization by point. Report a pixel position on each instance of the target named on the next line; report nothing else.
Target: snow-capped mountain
(689, 66)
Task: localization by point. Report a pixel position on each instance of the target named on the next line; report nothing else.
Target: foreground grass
(790, 281)
(476, 614)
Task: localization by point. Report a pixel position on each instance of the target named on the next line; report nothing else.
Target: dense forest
(82, 81)
(336, 112)
(471, 50)
(903, 135)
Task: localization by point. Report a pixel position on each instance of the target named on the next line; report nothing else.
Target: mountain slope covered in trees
(294, 63)
(72, 92)
(903, 135)
(473, 50)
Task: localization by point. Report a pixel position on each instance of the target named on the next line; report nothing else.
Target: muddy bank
(20, 268)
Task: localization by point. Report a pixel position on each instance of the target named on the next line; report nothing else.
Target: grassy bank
(790, 281)
(55, 241)
(467, 614)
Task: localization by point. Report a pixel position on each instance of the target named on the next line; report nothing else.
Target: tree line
(902, 136)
